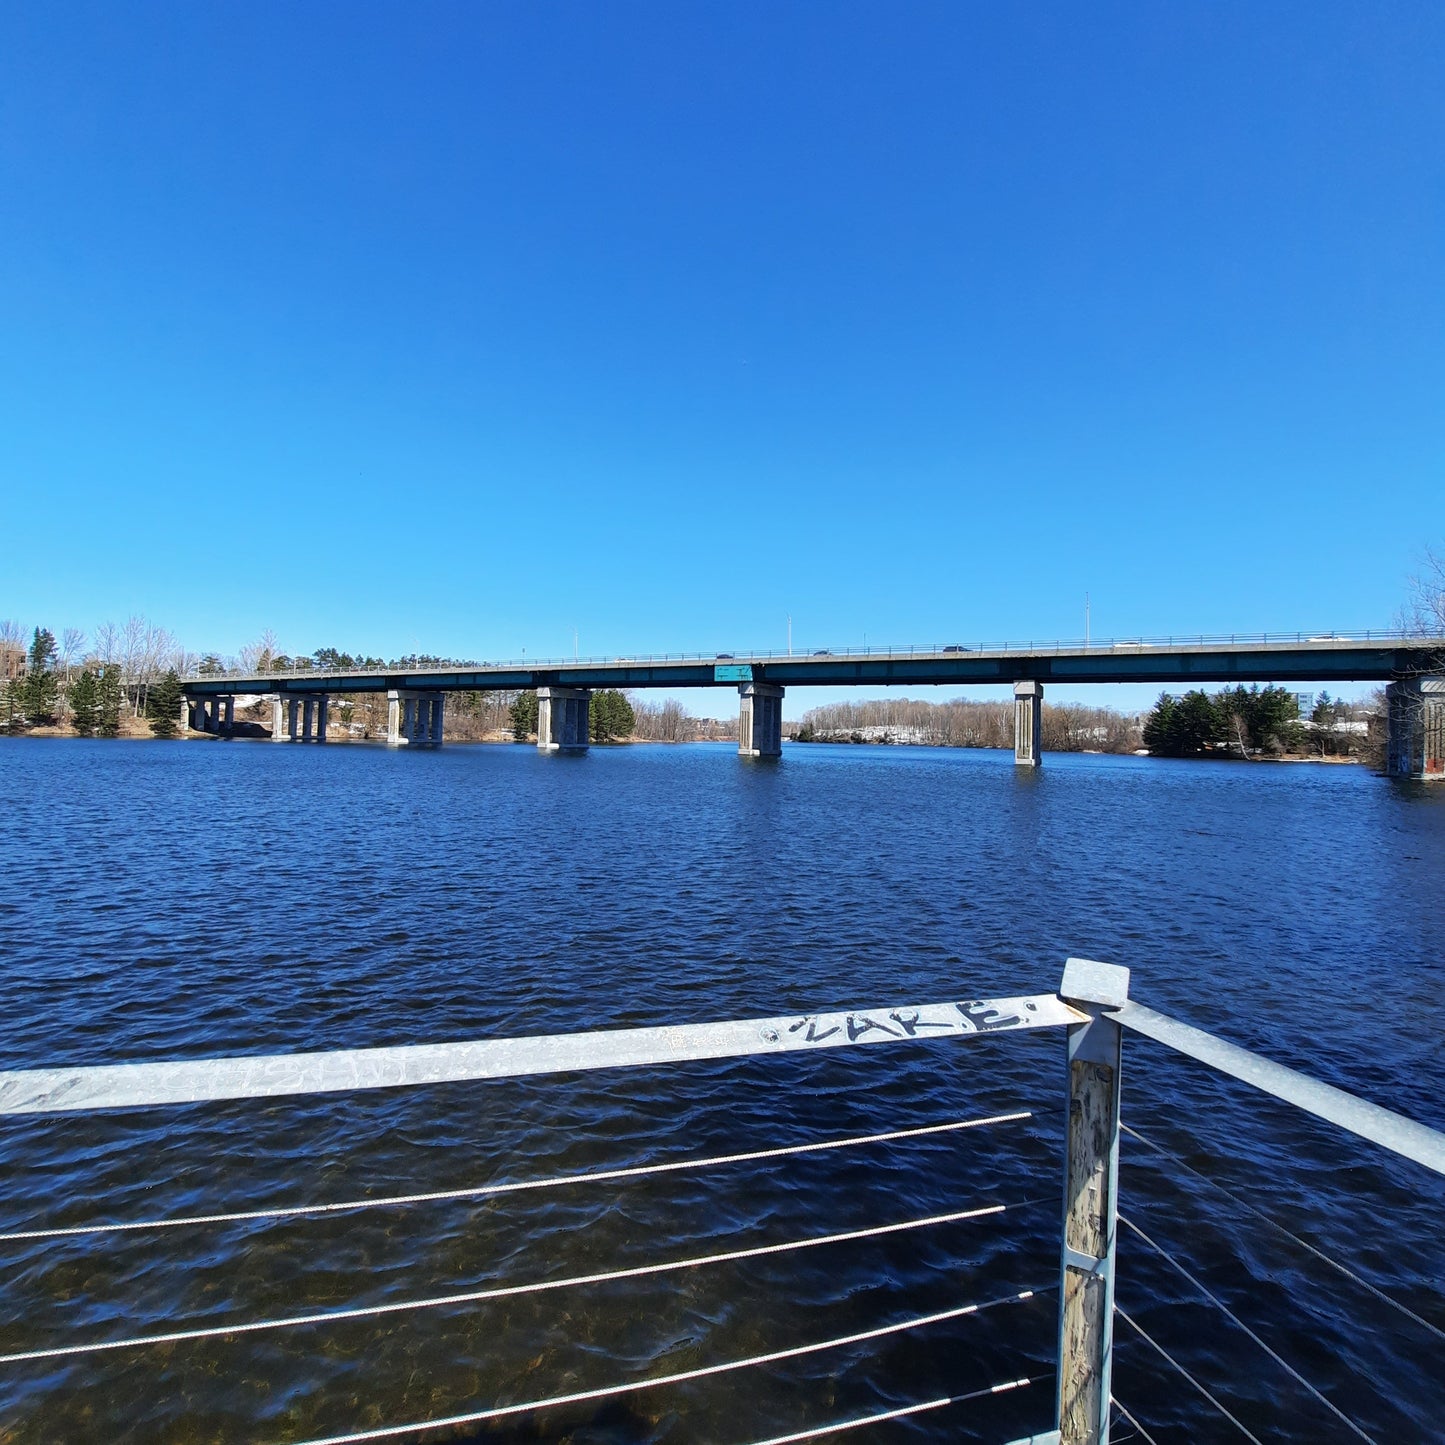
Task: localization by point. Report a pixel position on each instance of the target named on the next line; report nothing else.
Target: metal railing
(1321, 640)
(1094, 1009)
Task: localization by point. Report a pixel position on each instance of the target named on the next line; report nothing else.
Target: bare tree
(664, 722)
(1424, 613)
(107, 648)
(132, 640)
(257, 656)
(72, 649)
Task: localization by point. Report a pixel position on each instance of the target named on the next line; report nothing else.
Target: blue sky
(458, 327)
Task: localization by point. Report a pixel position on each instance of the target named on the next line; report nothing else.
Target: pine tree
(39, 691)
(108, 701)
(164, 704)
(42, 650)
(611, 716)
(85, 704)
(524, 716)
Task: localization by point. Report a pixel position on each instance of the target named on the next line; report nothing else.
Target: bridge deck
(1357, 657)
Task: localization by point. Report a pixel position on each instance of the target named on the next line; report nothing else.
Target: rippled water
(162, 900)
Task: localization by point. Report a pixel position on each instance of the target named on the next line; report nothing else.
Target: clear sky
(458, 327)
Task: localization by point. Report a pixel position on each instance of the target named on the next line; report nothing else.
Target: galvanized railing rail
(1092, 1006)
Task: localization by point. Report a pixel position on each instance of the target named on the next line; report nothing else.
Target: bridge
(1410, 666)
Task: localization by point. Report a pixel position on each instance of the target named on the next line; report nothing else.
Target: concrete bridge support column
(323, 706)
(1028, 723)
(413, 719)
(308, 719)
(564, 719)
(760, 720)
(278, 718)
(227, 721)
(1415, 742)
(293, 708)
(194, 712)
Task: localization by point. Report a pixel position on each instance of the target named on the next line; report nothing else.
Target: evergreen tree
(85, 704)
(1158, 726)
(163, 705)
(1275, 725)
(39, 690)
(1182, 727)
(610, 716)
(108, 700)
(42, 650)
(524, 716)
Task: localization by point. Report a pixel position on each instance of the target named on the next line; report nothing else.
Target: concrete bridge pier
(299, 719)
(760, 720)
(1415, 740)
(564, 716)
(414, 719)
(216, 715)
(1028, 723)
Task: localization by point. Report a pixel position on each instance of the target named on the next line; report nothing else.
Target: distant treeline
(624, 716)
(1067, 728)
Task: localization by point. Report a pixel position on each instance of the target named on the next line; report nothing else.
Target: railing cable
(1229, 1314)
(494, 1292)
(497, 1412)
(1003, 1388)
(1304, 1244)
(482, 1191)
(1140, 1330)
(1132, 1419)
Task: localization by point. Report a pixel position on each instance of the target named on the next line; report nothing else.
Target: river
(202, 899)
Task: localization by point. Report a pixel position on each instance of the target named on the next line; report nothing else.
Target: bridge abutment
(1028, 723)
(414, 719)
(1415, 739)
(760, 720)
(564, 719)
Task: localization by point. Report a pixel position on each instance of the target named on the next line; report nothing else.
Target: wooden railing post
(1091, 1182)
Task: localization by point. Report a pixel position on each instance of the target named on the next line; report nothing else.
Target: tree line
(46, 684)
(615, 716)
(1256, 722)
(966, 723)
